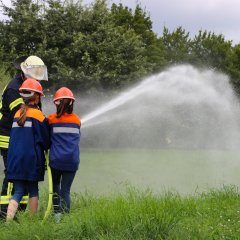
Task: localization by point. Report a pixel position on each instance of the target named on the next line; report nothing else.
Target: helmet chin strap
(57, 102)
(29, 99)
(27, 95)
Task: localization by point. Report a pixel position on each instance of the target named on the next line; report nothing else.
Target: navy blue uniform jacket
(26, 158)
(11, 102)
(65, 139)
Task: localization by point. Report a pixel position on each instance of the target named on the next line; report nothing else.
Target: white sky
(218, 16)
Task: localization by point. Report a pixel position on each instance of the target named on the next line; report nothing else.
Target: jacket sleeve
(13, 100)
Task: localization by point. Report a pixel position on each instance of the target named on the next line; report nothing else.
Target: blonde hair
(23, 115)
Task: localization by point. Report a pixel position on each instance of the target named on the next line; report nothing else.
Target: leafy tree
(81, 46)
(22, 32)
(212, 50)
(140, 22)
(4, 76)
(61, 22)
(233, 69)
(96, 47)
(177, 46)
(93, 53)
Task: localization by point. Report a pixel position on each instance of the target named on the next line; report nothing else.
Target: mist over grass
(103, 171)
(137, 215)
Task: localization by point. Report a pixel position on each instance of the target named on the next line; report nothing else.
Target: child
(28, 140)
(64, 151)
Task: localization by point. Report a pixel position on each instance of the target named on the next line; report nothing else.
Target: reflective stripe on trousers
(7, 198)
(4, 141)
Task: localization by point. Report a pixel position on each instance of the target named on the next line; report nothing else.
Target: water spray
(180, 107)
(116, 102)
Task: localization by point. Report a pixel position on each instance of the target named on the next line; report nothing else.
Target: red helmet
(32, 85)
(63, 92)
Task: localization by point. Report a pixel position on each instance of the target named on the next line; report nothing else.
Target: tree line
(96, 47)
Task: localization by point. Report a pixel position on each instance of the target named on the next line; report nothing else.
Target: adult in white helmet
(28, 67)
(33, 67)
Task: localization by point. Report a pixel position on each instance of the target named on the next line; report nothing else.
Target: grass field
(183, 171)
(137, 215)
(144, 194)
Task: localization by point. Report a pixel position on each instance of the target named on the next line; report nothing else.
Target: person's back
(28, 140)
(64, 156)
(65, 137)
(26, 158)
(31, 66)
(11, 101)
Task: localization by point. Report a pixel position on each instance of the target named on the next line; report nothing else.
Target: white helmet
(34, 67)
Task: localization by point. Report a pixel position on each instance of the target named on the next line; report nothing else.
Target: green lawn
(183, 171)
(144, 194)
(138, 215)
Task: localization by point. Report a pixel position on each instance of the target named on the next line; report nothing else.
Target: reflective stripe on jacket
(10, 103)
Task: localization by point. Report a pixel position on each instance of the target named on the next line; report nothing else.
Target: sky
(218, 16)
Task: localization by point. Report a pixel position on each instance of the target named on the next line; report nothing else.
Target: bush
(4, 78)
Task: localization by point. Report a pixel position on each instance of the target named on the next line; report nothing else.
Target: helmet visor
(38, 72)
